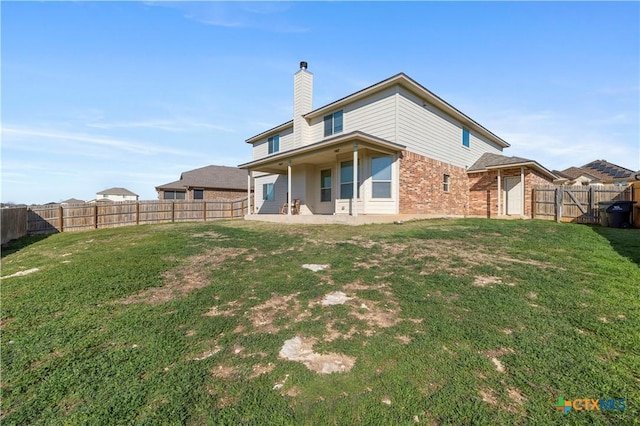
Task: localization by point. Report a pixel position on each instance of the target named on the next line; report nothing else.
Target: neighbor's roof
(606, 171)
(116, 191)
(574, 173)
(220, 177)
(408, 83)
(489, 161)
(72, 201)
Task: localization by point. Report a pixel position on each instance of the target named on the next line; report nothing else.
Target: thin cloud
(92, 140)
(175, 126)
(266, 16)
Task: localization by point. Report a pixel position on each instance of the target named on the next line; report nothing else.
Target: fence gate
(581, 204)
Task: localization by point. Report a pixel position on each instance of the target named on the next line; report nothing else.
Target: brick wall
(421, 186)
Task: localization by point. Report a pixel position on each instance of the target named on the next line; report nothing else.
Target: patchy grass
(437, 322)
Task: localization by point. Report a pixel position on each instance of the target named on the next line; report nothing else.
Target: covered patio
(351, 174)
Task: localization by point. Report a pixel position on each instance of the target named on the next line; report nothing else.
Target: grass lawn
(445, 322)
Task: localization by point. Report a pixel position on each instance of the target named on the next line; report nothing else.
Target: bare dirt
(192, 275)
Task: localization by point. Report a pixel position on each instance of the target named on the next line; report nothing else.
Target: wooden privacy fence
(75, 217)
(13, 223)
(581, 204)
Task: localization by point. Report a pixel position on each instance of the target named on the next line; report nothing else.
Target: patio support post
(354, 210)
(524, 204)
(248, 193)
(499, 194)
(289, 188)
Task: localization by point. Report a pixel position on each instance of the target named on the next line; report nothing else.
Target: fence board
(14, 223)
(59, 218)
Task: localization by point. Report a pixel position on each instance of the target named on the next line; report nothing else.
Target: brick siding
(422, 189)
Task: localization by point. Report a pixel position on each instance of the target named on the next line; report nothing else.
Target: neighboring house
(72, 201)
(391, 148)
(116, 194)
(207, 183)
(596, 172)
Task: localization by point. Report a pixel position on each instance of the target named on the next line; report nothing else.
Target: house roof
(277, 163)
(574, 173)
(489, 161)
(72, 201)
(408, 83)
(116, 191)
(219, 177)
(606, 171)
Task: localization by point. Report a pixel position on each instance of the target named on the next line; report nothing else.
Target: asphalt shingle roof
(220, 177)
(116, 191)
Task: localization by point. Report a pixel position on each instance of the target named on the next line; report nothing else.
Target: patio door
(513, 195)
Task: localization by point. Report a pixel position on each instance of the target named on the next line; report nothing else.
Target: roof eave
(273, 130)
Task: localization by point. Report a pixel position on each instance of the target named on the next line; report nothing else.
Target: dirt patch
(333, 334)
(193, 274)
(223, 372)
(405, 340)
(493, 356)
(278, 307)
(207, 354)
(260, 369)
(226, 310)
(300, 349)
(489, 396)
(482, 281)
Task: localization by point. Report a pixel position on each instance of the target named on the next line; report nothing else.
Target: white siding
(261, 148)
(280, 194)
(427, 131)
(374, 115)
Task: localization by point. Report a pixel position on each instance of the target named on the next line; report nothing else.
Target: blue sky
(104, 94)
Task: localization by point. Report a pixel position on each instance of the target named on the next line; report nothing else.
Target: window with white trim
(465, 137)
(274, 144)
(268, 192)
(346, 180)
(446, 182)
(325, 185)
(381, 176)
(333, 123)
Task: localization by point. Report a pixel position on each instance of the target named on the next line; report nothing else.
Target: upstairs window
(333, 123)
(465, 137)
(274, 144)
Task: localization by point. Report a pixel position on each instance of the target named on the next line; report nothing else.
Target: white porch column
(522, 190)
(499, 193)
(289, 188)
(248, 192)
(354, 212)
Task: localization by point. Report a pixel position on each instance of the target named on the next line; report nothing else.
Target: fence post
(60, 213)
(173, 211)
(95, 216)
(204, 211)
(137, 212)
(534, 204)
(559, 192)
(592, 204)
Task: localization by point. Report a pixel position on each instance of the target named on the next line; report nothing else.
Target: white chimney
(302, 104)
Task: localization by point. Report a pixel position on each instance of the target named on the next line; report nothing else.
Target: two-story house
(391, 148)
